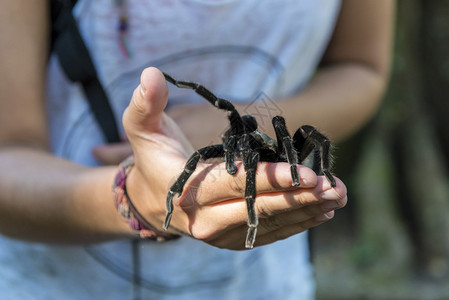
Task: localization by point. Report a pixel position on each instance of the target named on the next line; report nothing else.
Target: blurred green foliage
(392, 240)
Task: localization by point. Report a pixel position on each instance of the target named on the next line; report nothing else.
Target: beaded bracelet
(129, 212)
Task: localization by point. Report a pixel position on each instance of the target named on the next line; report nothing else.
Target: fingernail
(330, 205)
(325, 217)
(142, 90)
(304, 181)
(330, 194)
(142, 86)
(138, 100)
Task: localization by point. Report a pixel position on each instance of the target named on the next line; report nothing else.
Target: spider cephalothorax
(242, 141)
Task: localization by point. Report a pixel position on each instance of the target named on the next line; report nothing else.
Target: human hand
(212, 207)
(191, 120)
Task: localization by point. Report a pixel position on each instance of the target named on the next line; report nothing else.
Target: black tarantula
(243, 141)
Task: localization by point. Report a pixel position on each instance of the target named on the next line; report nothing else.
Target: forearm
(44, 198)
(347, 91)
(338, 101)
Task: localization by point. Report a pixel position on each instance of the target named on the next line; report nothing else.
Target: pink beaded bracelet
(129, 212)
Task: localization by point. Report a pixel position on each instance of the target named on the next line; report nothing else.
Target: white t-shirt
(251, 51)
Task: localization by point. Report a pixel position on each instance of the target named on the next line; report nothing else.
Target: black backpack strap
(76, 62)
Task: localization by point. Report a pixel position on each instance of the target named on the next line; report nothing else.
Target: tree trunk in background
(421, 168)
(397, 171)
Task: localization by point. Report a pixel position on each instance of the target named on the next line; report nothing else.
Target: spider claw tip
(166, 222)
(232, 169)
(250, 237)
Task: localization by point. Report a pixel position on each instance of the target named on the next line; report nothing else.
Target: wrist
(131, 213)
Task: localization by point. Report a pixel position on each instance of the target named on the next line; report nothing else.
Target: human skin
(341, 98)
(49, 199)
(346, 90)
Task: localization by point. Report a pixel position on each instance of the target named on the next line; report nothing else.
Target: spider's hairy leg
(308, 139)
(237, 123)
(203, 92)
(229, 146)
(250, 160)
(177, 188)
(285, 144)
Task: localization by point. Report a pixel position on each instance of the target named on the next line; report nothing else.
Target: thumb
(145, 111)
